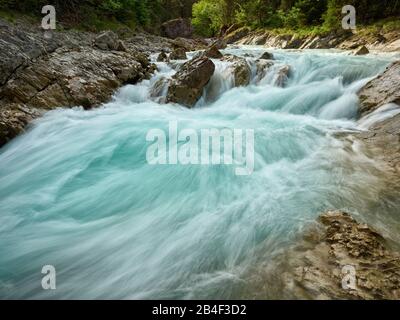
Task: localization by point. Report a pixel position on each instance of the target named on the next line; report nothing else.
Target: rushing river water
(76, 191)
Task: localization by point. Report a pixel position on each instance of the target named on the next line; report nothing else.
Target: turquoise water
(77, 193)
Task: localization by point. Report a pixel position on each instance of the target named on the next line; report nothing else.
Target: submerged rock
(382, 90)
(178, 54)
(162, 57)
(240, 69)
(188, 83)
(319, 268)
(262, 68)
(282, 76)
(267, 56)
(159, 90)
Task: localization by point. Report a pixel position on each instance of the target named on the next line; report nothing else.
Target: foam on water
(76, 191)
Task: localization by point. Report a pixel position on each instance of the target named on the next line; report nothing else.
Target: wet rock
(262, 68)
(188, 83)
(177, 28)
(319, 265)
(178, 54)
(267, 56)
(240, 69)
(13, 120)
(159, 90)
(282, 76)
(382, 90)
(162, 57)
(361, 51)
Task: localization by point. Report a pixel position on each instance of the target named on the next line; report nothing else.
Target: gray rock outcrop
(188, 83)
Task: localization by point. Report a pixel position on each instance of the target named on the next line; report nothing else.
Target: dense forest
(209, 16)
(104, 13)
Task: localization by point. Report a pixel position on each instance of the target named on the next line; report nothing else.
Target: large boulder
(240, 70)
(177, 28)
(188, 83)
(382, 90)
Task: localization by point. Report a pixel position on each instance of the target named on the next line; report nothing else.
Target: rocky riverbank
(70, 69)
(345, 40)
(41, 72)
(317, 265)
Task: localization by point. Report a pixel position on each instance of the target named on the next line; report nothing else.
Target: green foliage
(99, 14)
(207, 17)
(317, 16)
(294, 18)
